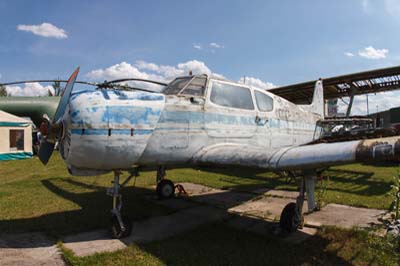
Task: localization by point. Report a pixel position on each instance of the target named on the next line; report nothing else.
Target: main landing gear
(121, 226)
(165, 187)
(292, 215)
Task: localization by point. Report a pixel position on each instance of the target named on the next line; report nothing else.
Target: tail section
(317, 105)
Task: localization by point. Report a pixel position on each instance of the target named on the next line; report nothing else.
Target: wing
(300, 157)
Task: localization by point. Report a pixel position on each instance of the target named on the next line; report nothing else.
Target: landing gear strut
(121, 226)
(292, 215)
(165, 187)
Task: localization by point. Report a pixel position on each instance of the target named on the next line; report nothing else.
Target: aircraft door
(265, 106)
(186, 113)
(229, 112)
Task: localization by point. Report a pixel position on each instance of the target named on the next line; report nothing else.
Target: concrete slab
(197, 189)
(174, 203)
(276, 193)
(266, 228)
(270, 204)
(216, 197)
(28, 249)
(250, 224)
(148, 230)
(282, 194)
(344, 216)
(269, 208)
(223, 199)
(301, 235)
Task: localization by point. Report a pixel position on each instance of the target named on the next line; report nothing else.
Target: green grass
(48, 199)
(361, 185)
(34, 197)
(217, 244)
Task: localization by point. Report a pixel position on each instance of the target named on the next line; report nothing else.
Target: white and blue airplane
(197, 120)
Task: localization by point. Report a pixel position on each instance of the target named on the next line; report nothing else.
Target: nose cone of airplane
(109, 129)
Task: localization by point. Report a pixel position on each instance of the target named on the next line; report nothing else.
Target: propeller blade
(53, 128)
(62, 106)
(45, 151)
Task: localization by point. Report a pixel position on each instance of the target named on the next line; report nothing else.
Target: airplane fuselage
(106, 130)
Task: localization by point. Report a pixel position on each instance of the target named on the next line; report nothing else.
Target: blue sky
(278, 42)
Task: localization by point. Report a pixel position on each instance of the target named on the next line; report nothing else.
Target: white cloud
(44, 30)
(348, 54)
(29, 89)
(216, 45)
(366, 6)
(146, 70)
(166, 73)
(197, 46)
(117, 71)
(382, 8)
(255, 82)
(372, 53)
(392, 7)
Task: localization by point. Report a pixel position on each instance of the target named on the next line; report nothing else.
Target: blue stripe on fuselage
(78, 131)
(205, 117)
(132, 115)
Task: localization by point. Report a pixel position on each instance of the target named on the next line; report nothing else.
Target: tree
(57, 88)
(3, 91)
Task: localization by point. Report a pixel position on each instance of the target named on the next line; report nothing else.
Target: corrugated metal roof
(373, 81)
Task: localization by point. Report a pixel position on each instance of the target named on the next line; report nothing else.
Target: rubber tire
(116, 231)
(165, 189)
(289, 221)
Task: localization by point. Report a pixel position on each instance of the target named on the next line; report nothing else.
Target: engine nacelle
(108, 129)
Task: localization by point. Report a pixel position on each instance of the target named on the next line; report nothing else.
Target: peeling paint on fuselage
(109, 129)
(106, 129)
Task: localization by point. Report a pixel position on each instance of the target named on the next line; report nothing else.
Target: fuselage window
(264, 102)
(196, 87)
(231, 96)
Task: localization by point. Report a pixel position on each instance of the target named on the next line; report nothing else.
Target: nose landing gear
(121, 226)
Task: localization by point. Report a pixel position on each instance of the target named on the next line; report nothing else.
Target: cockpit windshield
(193, 86)
(176, 86)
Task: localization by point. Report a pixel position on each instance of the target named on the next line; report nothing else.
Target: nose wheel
(120, 229)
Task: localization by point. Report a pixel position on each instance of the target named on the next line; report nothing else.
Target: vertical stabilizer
(317, 105)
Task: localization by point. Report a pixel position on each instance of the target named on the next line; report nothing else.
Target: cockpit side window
(196, 87)
(231, 96)
(264, 102)
(176, 86)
